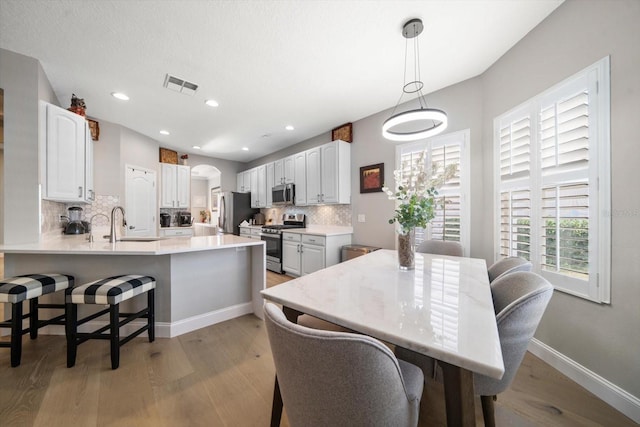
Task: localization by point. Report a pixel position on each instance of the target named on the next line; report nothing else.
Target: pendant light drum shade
(409, 126)
(420, 123)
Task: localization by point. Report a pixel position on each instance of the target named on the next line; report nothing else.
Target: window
(553, 181)
(452, 212)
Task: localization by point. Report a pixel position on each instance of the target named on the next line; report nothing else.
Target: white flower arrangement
(416, 192)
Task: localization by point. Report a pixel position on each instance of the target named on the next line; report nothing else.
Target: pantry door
(140, 196)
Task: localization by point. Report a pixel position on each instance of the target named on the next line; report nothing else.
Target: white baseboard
(620, 399)
(173, 329)
(164, 329)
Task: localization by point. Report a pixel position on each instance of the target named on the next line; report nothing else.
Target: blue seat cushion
(19, 288)
(111, 290)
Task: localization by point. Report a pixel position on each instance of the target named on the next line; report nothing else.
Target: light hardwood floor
(223, 375)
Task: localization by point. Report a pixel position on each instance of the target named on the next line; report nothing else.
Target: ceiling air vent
(178, 85)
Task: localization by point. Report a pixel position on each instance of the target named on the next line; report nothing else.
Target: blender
(75, 225)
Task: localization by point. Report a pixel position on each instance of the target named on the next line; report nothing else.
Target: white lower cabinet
(305, 253)
(291, 253)
(312, 258)
(176, 232)
(251, 232)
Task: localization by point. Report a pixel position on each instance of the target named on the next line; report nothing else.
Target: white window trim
(598, 77)
(465, 177)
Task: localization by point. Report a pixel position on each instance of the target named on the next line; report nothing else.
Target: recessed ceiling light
(245, 148)
(164, 132)
(196, 147)
(120, 95)
(211, 103)
(289, 127)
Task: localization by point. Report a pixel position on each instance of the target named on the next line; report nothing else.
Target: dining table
(442, 308)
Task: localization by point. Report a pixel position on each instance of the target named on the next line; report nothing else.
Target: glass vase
(407, 250)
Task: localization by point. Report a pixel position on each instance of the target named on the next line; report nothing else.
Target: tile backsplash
(51, 212)
(319, 215)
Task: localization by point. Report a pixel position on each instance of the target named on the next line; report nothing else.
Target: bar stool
(30, 287)
(111, 291)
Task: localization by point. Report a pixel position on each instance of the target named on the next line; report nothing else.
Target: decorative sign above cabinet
(344, 132)
(168, 156)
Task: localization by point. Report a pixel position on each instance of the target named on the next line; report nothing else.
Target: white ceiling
(311, 64)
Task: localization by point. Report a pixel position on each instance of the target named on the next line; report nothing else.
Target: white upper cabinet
(300, 178)
(183, 186)
(329, 173)
(270, 183)
(313, 176)
(284, 171)
(176, 186)
(67, 155)
(240, 182)
(243, 182)
(259, 187)
(336, 172)
(321, 175)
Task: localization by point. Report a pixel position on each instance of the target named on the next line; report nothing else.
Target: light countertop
(78, 245)
(318, 230)
(322, 230)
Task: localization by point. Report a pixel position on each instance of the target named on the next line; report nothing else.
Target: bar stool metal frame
(114, 290)
(15, 291)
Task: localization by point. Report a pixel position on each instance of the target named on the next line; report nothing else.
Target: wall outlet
(61, 218)
(361, 218)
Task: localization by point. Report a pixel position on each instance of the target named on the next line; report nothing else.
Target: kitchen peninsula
(200, 281)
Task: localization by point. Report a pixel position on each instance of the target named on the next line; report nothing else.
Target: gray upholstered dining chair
(331, 378)
(440, 247)
(508, 265)
(519, 300)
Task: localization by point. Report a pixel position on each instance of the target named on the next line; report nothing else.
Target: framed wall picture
(215, 191)
(371, 178)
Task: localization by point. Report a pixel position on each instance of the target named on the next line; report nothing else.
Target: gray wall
(106, 160)
(603, 338)
(228, 169)
(24, 84)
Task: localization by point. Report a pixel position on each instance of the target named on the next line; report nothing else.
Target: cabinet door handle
(79, 191)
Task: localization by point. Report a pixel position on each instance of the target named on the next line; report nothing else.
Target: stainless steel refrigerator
(234, 208)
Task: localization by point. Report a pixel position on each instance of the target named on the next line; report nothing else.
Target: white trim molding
(615, 396)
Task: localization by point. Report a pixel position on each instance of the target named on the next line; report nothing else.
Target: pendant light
(420, 123)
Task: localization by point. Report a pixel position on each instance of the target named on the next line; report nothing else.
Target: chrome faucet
(112, 235)
(90, 237)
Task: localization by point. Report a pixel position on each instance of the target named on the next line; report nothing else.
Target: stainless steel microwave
(283, 195)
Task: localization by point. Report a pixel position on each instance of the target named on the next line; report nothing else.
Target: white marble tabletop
(443, 308)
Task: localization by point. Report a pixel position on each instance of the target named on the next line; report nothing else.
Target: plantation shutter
(515, 185)
(515, 223)
(446, 224)
(515, 148)
(451, 221)
(565, 230)
(553, 154)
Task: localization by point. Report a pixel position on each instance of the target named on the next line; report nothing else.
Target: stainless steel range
(272, 236)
